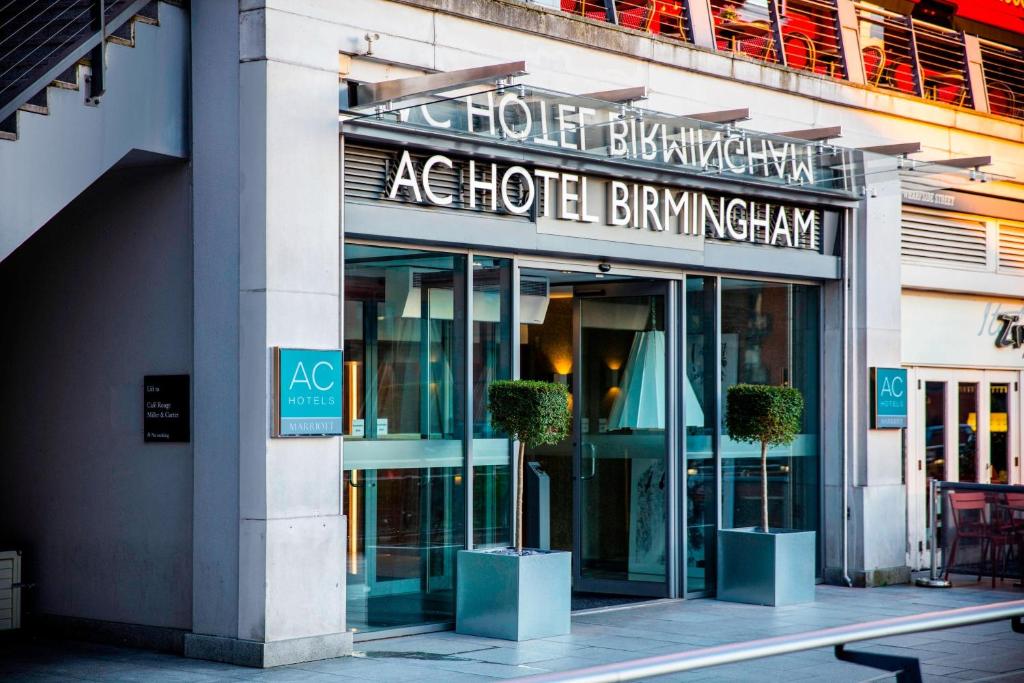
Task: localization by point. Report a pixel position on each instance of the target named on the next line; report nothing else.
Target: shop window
(699, 412)
(769, 335)
(404, 329)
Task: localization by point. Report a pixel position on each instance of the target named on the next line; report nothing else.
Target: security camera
(604, 267)
(370, 39)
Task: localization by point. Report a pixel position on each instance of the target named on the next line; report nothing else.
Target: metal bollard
(933, 580)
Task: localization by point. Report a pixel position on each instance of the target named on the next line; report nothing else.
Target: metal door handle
(593, 462)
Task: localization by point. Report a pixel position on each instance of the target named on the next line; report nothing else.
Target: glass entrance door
(620, 439)
(962, 428)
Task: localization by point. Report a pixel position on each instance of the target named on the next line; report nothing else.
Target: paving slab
(984, 652)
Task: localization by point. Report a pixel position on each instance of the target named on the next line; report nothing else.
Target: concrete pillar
(976, 73)
(290, 531)
(215, 182)
(878, 501)
(849, 40)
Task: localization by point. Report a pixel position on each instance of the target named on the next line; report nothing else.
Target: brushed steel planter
(775, 568)
(515, 597)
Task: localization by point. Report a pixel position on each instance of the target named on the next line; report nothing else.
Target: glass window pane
(492, 360)
(934, 437)
(998, 433)
(700, 410)
(403, 494)
(770, 335)
(967, 431)
(623, 492)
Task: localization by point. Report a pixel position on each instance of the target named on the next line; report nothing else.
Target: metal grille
(1011, 248)
(943, 241)
(1004, 79)
(943, 65)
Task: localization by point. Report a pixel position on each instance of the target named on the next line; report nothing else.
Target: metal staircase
(42, 43)
(84, 85)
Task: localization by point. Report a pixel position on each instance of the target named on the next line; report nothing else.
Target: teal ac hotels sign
(888, 398)
(307, 392)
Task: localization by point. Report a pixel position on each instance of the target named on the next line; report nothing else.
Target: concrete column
(976, 73)
(849, 40)
(291, 534)
(878, 501)
(215, 182)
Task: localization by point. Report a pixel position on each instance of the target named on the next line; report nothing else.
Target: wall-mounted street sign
(888, 398)
(165, 400)
(307, 392)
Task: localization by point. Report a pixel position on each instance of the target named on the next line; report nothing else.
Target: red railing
(897, 52)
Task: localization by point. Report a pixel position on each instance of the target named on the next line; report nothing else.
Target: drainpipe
(847, 255)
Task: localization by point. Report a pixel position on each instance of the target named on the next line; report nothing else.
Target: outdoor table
(737, 30)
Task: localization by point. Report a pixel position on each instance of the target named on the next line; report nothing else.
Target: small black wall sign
(165, 400)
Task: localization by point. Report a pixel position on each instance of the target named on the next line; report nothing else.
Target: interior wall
(98, 298)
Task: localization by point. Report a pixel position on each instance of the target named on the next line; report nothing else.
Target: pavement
(986, 652)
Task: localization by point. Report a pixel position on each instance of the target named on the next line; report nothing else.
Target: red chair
(800, 53)
(874, 64)
(972, 522)
(902, 77)
(1001, 99)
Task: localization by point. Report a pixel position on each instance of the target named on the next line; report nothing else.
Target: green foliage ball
(532, 412)
(761, 413)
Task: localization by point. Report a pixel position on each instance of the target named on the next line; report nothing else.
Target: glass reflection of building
(405, 450)
(426, 332)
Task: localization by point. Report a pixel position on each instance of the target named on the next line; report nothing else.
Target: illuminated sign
(307, 392)
(564, 196)
(1008, 14)
(888, 398)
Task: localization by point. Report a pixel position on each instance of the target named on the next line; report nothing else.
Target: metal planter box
(775, 569)
(504, 595)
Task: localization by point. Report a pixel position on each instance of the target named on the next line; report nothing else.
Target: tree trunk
(521, 469)
(764, 486)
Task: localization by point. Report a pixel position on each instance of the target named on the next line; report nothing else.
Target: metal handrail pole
(933, 580)
(733, 653)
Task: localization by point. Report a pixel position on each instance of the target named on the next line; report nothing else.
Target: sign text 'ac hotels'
(307, 392)
(570, 196)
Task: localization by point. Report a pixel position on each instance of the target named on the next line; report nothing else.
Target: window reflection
(403, 488)
(770, 336)
(699, 410)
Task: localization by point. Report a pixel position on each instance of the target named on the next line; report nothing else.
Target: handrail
(838, 637)
(99, 35)
(935, 489)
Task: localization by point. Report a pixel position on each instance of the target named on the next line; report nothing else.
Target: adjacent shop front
(963, 346)
(647, 262)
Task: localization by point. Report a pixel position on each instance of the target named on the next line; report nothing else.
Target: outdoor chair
(800, 52)
(1001, 99)
(874, 64)
(971, 520)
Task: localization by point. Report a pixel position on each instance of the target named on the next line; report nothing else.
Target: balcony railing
(896, 52)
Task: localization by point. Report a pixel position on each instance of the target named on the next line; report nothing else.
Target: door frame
(916, 477)
(597, 290)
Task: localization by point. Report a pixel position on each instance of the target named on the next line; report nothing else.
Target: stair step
(67, 80)
(9, 127)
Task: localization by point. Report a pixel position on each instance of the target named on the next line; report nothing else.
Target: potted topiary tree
(517, 593)
(764, 565)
